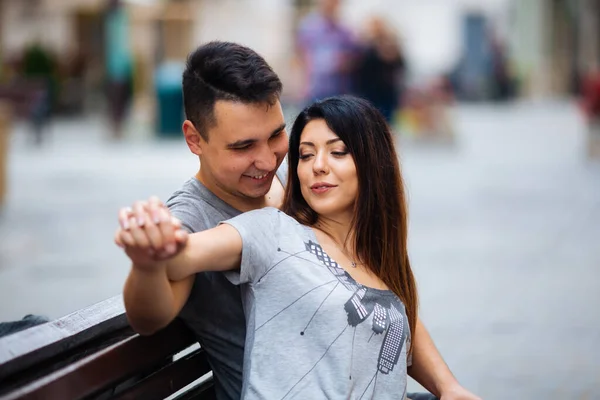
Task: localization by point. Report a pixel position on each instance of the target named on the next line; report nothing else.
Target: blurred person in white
(327, 52)
(235, 126)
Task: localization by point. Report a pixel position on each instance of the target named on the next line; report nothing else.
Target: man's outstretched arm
(151, 300)
(429, 369)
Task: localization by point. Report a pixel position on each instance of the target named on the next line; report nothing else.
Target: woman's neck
(339, 230)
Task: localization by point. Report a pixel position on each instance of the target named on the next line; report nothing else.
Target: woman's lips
(320, 188)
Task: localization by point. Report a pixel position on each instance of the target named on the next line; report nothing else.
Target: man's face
(244, 150)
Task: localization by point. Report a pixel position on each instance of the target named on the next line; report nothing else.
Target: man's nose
(266, 159)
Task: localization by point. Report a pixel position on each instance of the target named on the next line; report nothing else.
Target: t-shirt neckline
(313, 237)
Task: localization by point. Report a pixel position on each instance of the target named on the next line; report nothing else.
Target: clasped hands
(149, 234)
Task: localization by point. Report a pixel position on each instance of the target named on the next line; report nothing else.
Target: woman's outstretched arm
(216, 249)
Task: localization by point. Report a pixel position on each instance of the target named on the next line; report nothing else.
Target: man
(235, 126)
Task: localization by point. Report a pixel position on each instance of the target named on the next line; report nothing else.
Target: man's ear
(192, 137)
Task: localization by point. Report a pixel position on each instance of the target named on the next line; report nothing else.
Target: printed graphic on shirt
(365, 301)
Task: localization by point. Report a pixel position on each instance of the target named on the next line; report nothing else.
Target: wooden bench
(94, 354)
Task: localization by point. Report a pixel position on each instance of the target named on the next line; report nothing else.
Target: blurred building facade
(549, 43)
(73, 32)
(160, 31)
(554, 44)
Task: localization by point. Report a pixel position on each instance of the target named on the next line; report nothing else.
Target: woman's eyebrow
(330, 141)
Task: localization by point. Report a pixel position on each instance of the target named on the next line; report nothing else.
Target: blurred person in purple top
(327, 52)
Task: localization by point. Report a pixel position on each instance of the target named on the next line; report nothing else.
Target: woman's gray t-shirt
(312, 330)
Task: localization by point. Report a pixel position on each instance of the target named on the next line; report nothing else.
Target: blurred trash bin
(5, 125)
(169, 102)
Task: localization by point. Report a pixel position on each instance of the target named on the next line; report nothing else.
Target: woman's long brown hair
(380, 219)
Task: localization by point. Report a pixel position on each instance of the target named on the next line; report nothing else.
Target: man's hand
(149, 234)
(458, 393)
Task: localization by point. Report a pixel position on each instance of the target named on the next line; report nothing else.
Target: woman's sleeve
(259, 230)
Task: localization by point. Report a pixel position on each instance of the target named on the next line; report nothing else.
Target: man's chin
(254, 196)
(257, 192)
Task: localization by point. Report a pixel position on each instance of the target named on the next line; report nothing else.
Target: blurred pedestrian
(501, 80)
(381, 68)
(38, 87)
(327, 52)
(590, 105)
(118, 64)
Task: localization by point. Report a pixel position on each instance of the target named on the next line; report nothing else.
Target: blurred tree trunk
(5, 122)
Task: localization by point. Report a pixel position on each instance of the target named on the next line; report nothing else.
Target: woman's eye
(305, 156)
(339, 153)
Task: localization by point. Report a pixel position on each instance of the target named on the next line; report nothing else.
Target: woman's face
(326, 171)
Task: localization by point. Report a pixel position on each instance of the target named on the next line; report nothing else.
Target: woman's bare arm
(216, 249)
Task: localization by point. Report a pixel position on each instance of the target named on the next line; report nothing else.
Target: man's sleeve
(192, 219)
(259, 230)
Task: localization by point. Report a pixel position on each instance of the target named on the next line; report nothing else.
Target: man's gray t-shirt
(214, 309)
(313, 332)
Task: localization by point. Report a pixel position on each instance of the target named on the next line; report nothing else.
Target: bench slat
(93, 353)
(170, 379)
(203, 391)
(134, 355)
(40, 343)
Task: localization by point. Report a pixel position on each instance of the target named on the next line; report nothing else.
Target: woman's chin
(331, 211)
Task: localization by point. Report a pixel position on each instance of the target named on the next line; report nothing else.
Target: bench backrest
(93, 353)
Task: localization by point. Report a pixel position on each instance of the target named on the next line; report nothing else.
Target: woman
(328, 291)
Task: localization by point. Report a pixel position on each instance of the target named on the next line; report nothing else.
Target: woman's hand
(149, 234)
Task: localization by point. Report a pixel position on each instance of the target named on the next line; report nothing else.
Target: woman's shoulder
(273, 214)
(272, 223)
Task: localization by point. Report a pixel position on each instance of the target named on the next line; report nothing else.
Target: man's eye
(241, 148)
(276, 135)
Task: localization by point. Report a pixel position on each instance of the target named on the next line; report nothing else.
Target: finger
(126, 238)
(124, 214)
(154, 206)
(154, 233)
(176, 222)
(181, 236)
(138, 234)
(168, 231)
(117, 239)
(139, 212)
(156, 201)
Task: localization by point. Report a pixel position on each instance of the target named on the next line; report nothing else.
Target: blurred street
(505, 233)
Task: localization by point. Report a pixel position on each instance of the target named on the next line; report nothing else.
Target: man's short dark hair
(225, 71)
